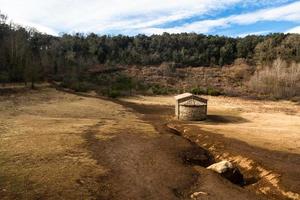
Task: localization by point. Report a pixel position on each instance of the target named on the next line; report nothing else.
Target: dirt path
(142, 167)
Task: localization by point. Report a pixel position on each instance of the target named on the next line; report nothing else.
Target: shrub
(124, 83)
(213, 92)
(77, 86)
(141, 86)
(65, 83)
(278, 81)
(208, 91)
(159, 90)
(114, 93)
(198, 91)
(82, 87)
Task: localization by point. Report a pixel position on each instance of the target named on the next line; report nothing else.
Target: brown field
(57, 145)
(42, 145)
(274, 125)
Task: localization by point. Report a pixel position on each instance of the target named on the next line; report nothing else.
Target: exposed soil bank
(274, 173)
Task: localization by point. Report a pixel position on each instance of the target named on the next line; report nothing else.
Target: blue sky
(130, 17)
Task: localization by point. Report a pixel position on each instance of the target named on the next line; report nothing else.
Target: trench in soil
(137, 164)
(158, 116)
(257, 178)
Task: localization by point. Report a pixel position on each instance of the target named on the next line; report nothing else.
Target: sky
(234, 18)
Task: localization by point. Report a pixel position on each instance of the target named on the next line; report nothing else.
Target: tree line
(29, 56)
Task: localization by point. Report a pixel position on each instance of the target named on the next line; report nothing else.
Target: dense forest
(29, 56)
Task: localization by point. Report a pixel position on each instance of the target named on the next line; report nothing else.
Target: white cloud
(290, 12)
(101, 16)
(135, 16)
(200, 27)
(39, 27)
(254, 33)
(294, 30)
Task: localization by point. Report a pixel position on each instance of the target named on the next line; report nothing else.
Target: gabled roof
(186, 96)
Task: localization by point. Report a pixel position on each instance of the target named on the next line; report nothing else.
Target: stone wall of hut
(192, 113)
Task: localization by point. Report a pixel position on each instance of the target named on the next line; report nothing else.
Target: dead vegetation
(228, 79)
(41, 147)
(279, 81)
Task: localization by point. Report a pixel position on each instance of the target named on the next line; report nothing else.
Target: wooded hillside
(29, 56)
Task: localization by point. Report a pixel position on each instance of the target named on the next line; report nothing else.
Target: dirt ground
(267, 124)
(261, 137)
(57, 145)
(43, 148)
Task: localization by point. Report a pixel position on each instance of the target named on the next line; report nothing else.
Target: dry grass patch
(43, 151)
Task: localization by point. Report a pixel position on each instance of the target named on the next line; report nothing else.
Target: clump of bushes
(114, 94)
(213, 92)
(205, 91)
(109, 92)
(198, 91)
(82, 86)
(77, 86)
(114, 85)
(157, 89)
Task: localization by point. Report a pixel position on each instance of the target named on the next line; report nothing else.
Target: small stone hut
(190, 107)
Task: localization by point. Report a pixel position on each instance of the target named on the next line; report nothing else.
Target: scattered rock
(221, 167)
(80, 182)
(228, 171)
(196, 194)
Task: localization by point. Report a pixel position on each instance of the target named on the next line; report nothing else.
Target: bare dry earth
(262, 137)
(266, 124)
(42, 146)
(56, 145)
